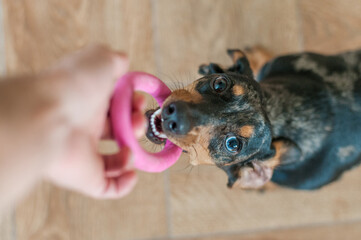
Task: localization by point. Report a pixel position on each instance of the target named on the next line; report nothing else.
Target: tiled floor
(170, 39)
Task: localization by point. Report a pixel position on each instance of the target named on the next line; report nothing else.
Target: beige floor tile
(52, 213)
(346, 231)
(331, 26)
(43, 214)
(190, 32)
(202, 204)
(142, 214)
(38, 33)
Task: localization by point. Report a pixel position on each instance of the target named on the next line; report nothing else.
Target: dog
(298, 124)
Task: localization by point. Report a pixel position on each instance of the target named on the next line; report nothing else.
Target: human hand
(85, 82)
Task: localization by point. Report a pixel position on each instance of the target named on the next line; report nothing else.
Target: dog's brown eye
(220, 84)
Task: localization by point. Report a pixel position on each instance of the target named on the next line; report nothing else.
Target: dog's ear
(257, 172)
(211, 68)
(252, 175)
(241, 64)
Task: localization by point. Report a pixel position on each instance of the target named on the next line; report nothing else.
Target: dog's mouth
(155, 131)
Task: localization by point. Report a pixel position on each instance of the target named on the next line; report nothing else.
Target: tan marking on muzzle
(196, 143)
(246, 131)
(197, 140)
(187, 94)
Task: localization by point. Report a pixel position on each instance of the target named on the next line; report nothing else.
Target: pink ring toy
(120, 112)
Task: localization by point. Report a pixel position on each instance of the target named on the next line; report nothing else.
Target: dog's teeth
(153, 125)
(162, 135)
(157, 112)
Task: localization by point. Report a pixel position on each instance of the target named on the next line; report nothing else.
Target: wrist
(30, 123)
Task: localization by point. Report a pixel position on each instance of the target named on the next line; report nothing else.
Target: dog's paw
(235, 54)
(211, 68)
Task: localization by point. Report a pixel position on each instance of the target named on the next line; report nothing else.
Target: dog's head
(219, 119)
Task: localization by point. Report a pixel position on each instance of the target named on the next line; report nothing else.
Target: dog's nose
(176, 118)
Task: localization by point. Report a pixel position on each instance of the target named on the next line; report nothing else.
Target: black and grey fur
(312, 102)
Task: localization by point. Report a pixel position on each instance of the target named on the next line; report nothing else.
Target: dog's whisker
(184, 168)
(172, 84)
(143, 140)
(189, 173)
(195, 150)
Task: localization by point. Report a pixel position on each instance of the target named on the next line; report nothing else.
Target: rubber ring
(120, 112)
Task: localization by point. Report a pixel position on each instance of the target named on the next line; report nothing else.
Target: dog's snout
(169, 110)
(176, 118)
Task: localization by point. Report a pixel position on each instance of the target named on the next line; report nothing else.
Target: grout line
(168, 204)
(266, 230)
(2, 42)
(14, 226)
(299, 19)
(154, 238)
(156, 40)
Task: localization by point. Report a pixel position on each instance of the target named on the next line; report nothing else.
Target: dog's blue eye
(220, 84)
(233, 145)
